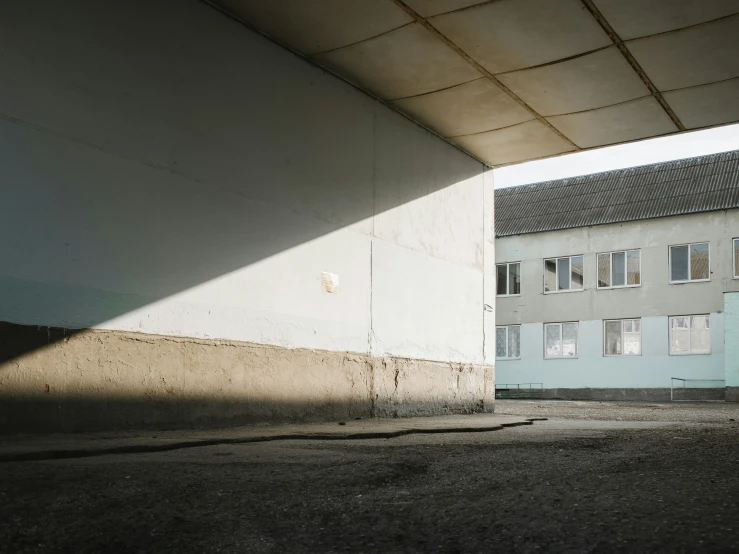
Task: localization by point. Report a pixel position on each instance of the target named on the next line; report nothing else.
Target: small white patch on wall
(330, 282)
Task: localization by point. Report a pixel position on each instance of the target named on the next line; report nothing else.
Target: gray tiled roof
(692, 185)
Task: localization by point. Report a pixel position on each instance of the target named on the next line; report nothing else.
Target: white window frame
(556, 275)
(508, 278)
(690, 269)
(733, 257)
(622, 355)
(690, 336)
(577, 344)
(507, 356)
(626, 280)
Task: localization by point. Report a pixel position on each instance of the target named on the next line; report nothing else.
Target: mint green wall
(591, 369)
(731, 338)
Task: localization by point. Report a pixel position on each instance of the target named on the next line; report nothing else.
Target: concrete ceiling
(516, 80)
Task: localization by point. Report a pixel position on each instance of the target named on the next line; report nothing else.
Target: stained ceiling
(516, 80)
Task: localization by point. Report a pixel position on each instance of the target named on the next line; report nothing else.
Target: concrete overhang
(516, 80)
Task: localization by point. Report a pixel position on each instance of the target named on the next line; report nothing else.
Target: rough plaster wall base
(98, 379)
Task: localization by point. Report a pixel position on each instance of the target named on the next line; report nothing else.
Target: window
(508, 342)
(736, 258)
(560, 340)
(563, 274)
(690, 334)
(509, 279)
(622, 337)
(690, 262)
(619, 269)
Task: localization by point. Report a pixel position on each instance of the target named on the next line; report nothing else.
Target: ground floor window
(690, 334)
(508, 342)
(560, 340)
(622, 337)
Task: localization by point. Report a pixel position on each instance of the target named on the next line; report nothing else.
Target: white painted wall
(166, 170)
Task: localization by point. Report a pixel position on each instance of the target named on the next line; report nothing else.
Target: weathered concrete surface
(635, 394)
(732, 394)
(60, 446)
(99, 379)
(556, 486)
(405, 387)
(546, 58)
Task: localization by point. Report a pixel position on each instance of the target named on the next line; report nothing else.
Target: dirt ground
(595, 478)
(676, 412)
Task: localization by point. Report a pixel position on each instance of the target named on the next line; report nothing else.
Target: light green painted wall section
(731, 338)
(653, 369)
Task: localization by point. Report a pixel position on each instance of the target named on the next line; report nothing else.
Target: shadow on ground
(553, 487)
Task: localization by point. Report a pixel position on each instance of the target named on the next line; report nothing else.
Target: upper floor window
(509, 279)
(619, 269)
(563, 274)
(690, 334)
(690, 262)
(622, 337)
(736, 258)
(560, 340)
(508, 342)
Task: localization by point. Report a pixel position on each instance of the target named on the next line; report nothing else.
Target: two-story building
(622, 284)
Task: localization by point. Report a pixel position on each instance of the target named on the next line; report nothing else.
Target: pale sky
(685, 145)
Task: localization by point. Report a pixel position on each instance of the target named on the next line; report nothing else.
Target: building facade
(601, 297)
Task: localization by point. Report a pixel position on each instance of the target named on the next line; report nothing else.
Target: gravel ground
(564, 485)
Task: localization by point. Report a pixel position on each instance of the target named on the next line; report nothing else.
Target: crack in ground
(44, 455)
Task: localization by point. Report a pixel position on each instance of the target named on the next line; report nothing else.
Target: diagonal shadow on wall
(145, 154)
(146, 151)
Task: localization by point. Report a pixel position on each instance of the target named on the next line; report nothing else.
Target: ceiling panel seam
(555, 62)
(437, 90)
(702, 84)
(465, 8)
(630, 141)
(595, 12)
(360, 41)
(599, 147)
(573, 113)
(671, 31)
(489, 130)
(630, 100)
(410, 11)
